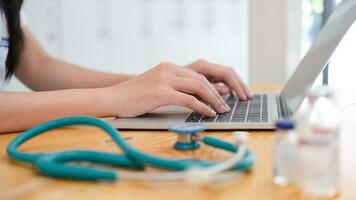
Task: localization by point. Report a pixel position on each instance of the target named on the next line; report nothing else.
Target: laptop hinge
(283, 111)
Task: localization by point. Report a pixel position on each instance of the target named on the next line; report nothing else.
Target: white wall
(261, 39)
(342, 68)
(132, 36)
(275, 40)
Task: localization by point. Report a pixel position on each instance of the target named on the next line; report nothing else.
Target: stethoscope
(62, 164)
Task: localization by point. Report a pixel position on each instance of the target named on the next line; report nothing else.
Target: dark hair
(11, 10)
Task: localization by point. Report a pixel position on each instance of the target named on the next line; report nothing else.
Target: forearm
(55, 74)
(42, 72)
(19, 111)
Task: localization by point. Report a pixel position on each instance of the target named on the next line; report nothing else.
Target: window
(342, 66)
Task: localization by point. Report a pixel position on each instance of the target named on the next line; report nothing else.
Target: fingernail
(223, 108)
(246, 97)
(222, 102)
(212, 112)
(227, 107)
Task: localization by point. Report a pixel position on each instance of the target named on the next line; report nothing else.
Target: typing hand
(169, 84)
(225, 79)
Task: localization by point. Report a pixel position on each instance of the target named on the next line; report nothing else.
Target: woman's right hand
(166, 84)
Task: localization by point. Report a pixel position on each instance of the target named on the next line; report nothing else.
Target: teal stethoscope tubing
(54, 164)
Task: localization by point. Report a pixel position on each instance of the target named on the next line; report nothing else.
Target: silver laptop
(265, 108)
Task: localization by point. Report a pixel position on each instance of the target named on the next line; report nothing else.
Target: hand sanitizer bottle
(318, 147)
(284, 153)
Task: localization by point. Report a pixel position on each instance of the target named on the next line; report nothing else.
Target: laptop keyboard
(254, 110)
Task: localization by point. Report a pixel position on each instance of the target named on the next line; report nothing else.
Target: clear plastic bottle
(318, 146)
(284, 153)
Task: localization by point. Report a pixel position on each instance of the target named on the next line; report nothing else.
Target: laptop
(265, 108)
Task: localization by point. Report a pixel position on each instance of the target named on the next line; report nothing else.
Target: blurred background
(263, 40)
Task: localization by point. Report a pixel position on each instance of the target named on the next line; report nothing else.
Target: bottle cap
(285, 124)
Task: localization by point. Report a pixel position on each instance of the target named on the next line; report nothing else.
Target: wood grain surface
(18, 181)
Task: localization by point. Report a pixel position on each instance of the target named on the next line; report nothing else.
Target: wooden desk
(23, 182)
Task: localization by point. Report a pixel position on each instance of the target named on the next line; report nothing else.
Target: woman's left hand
(225, 79)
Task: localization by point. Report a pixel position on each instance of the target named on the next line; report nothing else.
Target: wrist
(105, 98)
(123, 77)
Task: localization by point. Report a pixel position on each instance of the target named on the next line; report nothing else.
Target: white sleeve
(23, 18)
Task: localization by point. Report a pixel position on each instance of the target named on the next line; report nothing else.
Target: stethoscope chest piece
(187, 136)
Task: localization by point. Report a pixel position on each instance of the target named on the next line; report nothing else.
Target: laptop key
(238, 120)
(242, 111)
(253, 120)
(194, 117)
(208, 119)
(224, 117)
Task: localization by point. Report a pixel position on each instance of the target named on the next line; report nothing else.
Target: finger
(227, 75)
(238, 86)
(196, 87)
(221, 88)
(189, 101)
(194, 75)
(244, 86)
(233, 83)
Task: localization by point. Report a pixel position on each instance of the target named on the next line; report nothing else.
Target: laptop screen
(319, 54)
